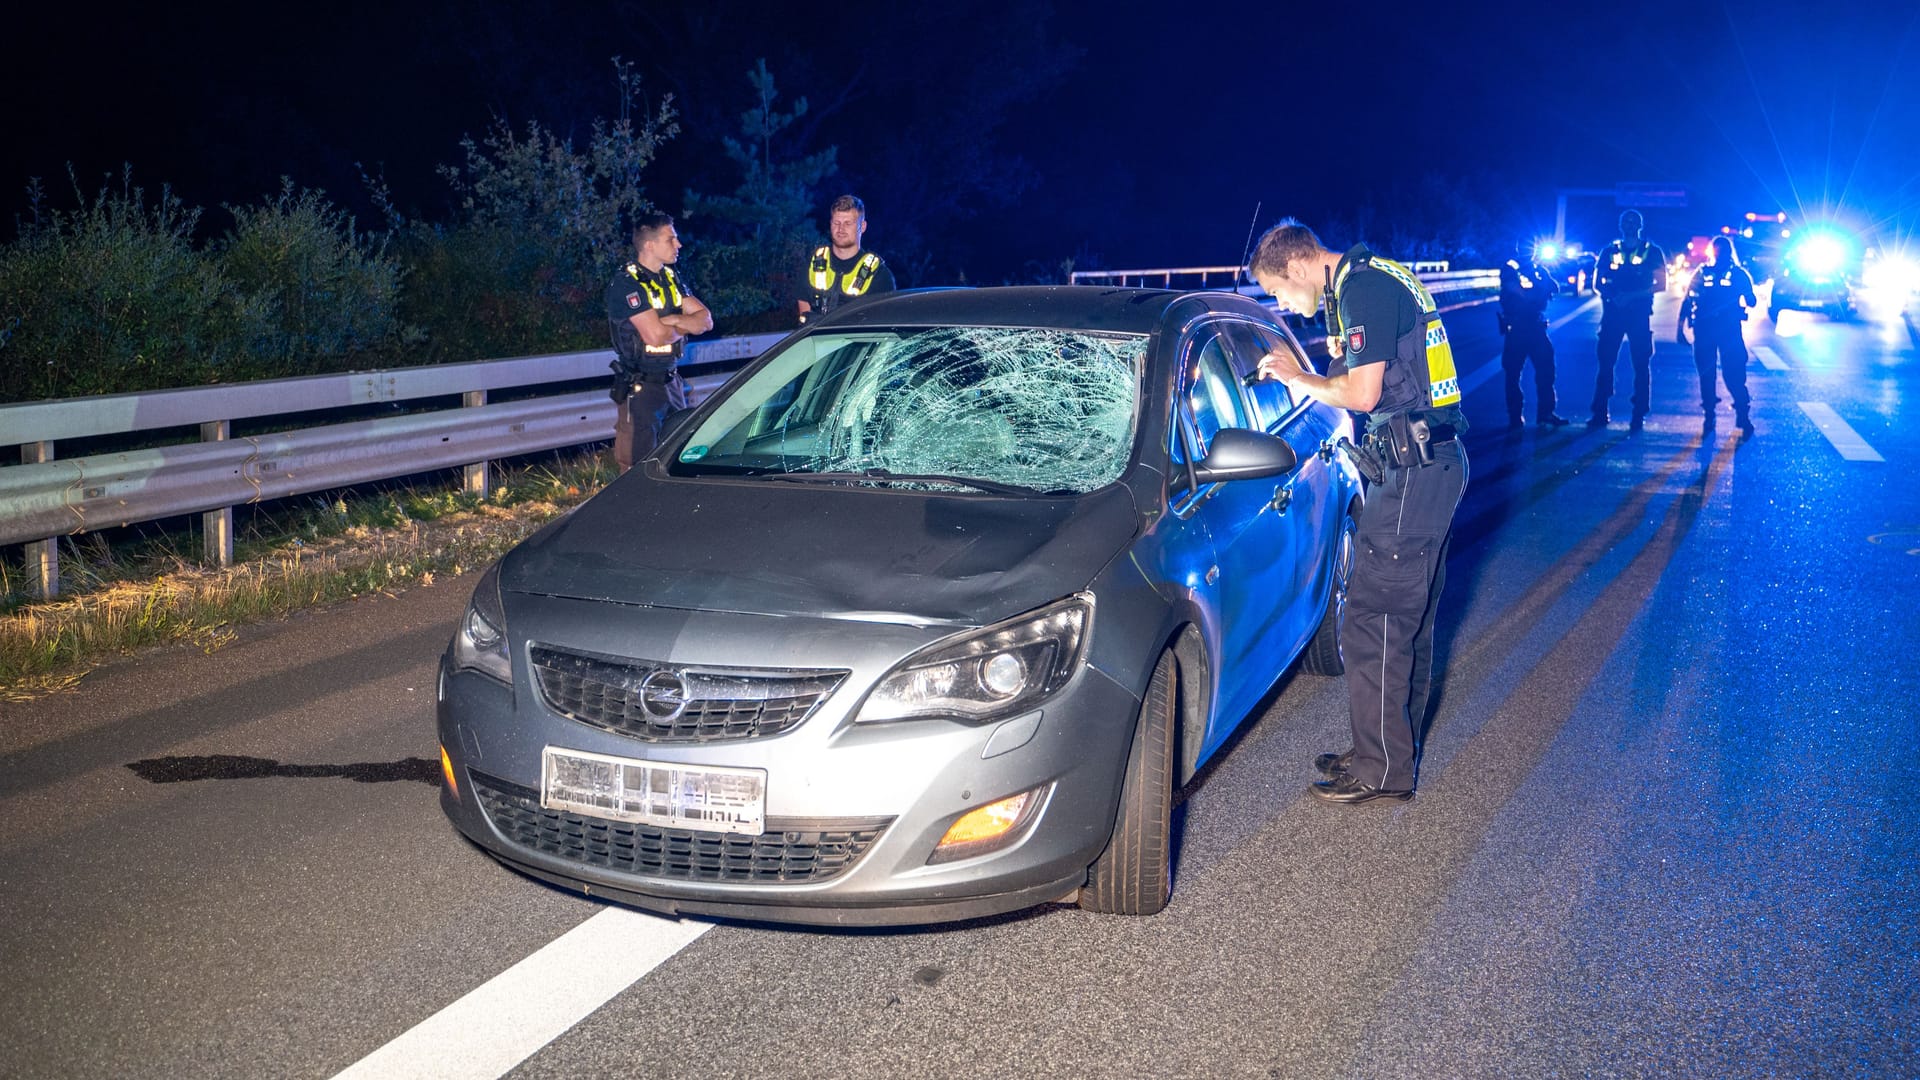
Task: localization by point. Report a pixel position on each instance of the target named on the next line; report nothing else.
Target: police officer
(650, 313)
(1715, 306)
(1524, 292)
(1392, 361)
(841, 270)
(1631, 271)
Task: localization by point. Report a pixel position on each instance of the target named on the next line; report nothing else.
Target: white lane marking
(506, 1020)
(1839, 432)
(1489, 370)
(1770, 358)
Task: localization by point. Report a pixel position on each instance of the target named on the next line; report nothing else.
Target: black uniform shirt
(1628, 275)
(1376, 312)
(634, 289)
(1524, 292)
(1716, 294)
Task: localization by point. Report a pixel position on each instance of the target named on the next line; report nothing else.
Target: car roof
(1061, 307)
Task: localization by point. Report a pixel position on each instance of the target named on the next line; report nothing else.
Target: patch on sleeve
(1356, 339)
(633, 299)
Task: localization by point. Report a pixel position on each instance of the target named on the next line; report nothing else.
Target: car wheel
(1134, 876)
(1322, 656)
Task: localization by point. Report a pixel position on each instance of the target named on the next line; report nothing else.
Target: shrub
(314, 289)
(111, 297)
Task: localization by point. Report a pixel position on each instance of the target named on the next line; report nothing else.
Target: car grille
(658, 703)
(777, 857)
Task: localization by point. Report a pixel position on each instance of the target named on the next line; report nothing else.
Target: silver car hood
(778, 548)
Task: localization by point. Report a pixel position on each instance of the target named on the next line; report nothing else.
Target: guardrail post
(43, 556)
(216, 526)
(476, 481)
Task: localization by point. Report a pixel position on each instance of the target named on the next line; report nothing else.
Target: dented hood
(779, 548)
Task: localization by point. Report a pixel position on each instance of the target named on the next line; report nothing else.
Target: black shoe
(1744, 423)
(1554, 419)
(1345, 789)
(1638, 423)
(1596, 421)
(1332, 765)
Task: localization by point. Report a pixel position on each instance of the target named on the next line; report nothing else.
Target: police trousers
(1636, 326)
(1399, 571)
(1721, 340)
(1523, 342)
(637, 421)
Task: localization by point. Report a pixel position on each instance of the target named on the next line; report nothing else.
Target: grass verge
(328, 551)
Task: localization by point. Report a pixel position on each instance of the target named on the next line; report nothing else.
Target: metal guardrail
(47, 497)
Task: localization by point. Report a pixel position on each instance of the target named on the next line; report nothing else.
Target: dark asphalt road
(1664, 827)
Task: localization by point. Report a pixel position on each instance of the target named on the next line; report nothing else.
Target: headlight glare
(481, 642)
(1007, 666)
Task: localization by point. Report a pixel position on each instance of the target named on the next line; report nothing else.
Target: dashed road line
(1839, 432)
(506, 1020)
(1770, 358)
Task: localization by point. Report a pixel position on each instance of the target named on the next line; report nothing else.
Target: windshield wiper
(993, 487)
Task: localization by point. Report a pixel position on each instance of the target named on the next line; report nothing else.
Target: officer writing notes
(1393, 363)
(1631, 271)
(1716, 308)
(1524, 292)
(842, 270)
(650, 313)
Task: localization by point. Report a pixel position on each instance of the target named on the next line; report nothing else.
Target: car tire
(1322, 655)
(1134, 876)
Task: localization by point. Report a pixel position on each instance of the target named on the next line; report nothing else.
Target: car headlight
(990, 672)
(481, 642)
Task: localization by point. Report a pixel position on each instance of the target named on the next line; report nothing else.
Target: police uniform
(1627, 277)
(1524, 292)
(1384, 315)
(646, 379)
(835, 281)
(1715, 305)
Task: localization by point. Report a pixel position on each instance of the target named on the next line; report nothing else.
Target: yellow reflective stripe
(1443, 380)
(1405, 276)
(861, 276)
(820, 275)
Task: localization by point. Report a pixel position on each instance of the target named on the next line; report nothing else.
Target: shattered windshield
(948, 408)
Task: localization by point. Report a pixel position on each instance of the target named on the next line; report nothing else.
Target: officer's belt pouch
(1392, 572)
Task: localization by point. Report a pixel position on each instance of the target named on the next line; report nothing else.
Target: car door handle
(1282, 498)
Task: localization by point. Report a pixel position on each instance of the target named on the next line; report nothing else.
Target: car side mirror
(1239, 454)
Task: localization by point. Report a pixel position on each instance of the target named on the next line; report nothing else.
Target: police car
(1817, 271)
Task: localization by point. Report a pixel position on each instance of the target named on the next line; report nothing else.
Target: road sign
(1649, 195)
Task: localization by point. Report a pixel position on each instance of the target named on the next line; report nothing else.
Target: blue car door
(1311, 514)
(1253, 569)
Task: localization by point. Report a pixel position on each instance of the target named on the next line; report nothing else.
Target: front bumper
(853, 812)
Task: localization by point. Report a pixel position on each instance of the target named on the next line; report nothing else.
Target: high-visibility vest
(853, 283)
(1425, 378)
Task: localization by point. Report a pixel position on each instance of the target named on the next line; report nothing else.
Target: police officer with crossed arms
(1392, 361)
(650, 313)
(842, 271)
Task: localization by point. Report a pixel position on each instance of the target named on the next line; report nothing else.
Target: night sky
(1143, 134)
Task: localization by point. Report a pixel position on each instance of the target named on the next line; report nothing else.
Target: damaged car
(926, 615)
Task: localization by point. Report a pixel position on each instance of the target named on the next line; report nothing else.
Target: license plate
(708, 797)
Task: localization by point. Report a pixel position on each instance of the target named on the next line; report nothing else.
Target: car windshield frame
(1004, 410)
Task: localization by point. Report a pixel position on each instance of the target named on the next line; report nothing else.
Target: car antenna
(1247, 248)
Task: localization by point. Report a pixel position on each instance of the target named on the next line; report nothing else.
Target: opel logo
(663, 695)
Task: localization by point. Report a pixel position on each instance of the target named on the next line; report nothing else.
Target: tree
(762, 233)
